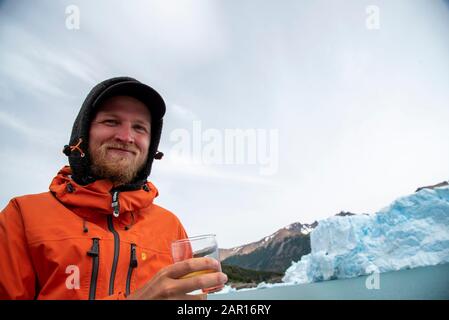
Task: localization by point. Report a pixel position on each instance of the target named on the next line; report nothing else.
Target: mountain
(404, 226)
(294, 229)
(240, 278)
(276, 252)
(274, 257)
(345, 213)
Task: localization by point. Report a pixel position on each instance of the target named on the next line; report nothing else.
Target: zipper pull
(95, 250)
(115, 204)
(133, 262)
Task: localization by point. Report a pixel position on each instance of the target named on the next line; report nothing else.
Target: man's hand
(167, 283)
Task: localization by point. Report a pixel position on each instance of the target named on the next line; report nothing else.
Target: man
(97, 233)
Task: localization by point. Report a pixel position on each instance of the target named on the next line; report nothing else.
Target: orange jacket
(67, 244)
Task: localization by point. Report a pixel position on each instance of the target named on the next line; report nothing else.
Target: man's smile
(121, 151)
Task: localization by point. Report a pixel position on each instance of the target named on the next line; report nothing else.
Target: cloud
(26, 72)
(183, 112)
(43, 68)
(325, 85)
(186, 167)
(11, 122)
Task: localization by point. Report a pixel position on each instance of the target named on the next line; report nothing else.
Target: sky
(339, 105)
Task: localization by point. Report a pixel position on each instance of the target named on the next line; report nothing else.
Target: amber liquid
(197, 273)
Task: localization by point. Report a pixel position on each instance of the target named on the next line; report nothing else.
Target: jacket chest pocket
(64, 267)
(124, 280)
(149, 262)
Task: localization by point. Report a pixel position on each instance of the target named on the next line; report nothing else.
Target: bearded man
(97, 233)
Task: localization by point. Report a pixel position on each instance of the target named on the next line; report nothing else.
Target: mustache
(115, 145)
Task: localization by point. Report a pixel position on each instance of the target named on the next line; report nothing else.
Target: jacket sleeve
(17, 276)
(182, 234)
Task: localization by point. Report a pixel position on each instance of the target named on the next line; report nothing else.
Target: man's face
(119, 138)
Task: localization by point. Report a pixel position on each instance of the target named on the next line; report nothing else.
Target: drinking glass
(196, 247)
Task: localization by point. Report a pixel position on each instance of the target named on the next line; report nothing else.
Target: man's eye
(110, 122)
(141, 129)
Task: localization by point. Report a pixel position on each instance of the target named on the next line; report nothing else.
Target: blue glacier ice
(412, 232)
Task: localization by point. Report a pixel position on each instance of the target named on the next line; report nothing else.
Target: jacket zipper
(94, 252)
(132, 265)
(116, 254)
(115, 204)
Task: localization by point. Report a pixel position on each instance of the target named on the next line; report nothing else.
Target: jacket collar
(97, 196)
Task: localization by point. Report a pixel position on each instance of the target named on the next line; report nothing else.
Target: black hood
(78, 148)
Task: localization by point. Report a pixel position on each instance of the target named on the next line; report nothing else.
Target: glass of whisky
(197, 247)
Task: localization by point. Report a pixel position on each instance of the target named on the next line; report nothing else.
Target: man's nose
(124, 134)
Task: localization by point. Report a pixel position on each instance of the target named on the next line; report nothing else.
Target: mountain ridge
(276, 252)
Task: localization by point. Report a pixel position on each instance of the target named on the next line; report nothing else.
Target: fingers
(204, 281)
(187, 267)
(196, 273)
(177, 280)
(201, 296)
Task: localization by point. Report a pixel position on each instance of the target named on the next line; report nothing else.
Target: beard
(119, 169)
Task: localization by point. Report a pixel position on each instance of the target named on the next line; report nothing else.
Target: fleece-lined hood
(78, 148)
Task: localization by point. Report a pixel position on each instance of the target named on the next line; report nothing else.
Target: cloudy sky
(347, 101)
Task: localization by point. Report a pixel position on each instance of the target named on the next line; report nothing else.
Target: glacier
(412, 232)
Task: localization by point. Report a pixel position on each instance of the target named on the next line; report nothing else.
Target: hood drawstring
(85, 229)
(127, 227)
(69, 149)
